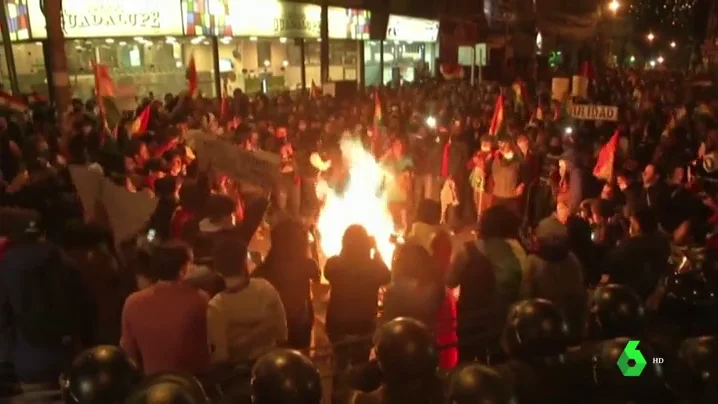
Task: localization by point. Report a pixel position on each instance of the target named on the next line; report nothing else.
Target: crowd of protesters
(563, 258)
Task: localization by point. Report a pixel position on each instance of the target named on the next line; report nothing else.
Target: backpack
(51, 311)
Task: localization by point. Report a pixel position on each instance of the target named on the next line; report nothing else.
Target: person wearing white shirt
(247, 319)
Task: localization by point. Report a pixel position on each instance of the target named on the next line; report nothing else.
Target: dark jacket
(35, 364)
(640, 262)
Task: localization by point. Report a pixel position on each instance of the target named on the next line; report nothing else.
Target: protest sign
(88, 184)
(560, 88)
(594, 112)
(257, 167)
(579, 86)
(127, 212)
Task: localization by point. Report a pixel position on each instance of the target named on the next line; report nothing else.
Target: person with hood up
(426, 224)
(554, 273)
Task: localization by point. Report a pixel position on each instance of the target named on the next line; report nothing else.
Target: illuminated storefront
(261, 41)
(410, 49)
(148, 43)
(139, 40)
(27, 54)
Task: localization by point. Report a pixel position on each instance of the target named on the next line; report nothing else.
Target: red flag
(191, 75)
(498, 118)
(606, 156)
(224, 107)
(316, 91)
(139, 126)
(451, 71)
(12, 102)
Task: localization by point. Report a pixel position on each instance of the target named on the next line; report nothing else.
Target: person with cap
(406, 359)
(285, 376)
(535, 340)
(100, 375)
(475, 383)
(554, 273)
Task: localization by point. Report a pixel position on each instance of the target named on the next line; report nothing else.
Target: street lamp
(653, 63)
(614, 6)
(650, 37)
(660, 60)
(673, 44)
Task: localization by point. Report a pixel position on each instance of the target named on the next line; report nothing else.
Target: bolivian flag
(498, 118)
(105, 94)
(139, 126)
(13, 103)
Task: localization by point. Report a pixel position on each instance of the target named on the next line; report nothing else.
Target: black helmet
(535, 328)
(615, 311)
(103, 374)
(285, 376)
(406, 350)
(612, 370)
(475, 383)
(696, 373)
(169, 388)
(690, 288)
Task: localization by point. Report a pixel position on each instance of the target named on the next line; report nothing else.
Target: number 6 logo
(631, 353)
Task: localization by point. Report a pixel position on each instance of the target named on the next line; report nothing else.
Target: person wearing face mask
(506, 174)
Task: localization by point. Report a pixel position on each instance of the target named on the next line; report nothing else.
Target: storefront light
(319, 39)
(285, 63)
(171, 39)
(226, 40)
(266, 63)
(139, 39)
(283, 40)
(196, 41)
(38, 43)
(253, 38)
(123, 43)
(109, 40)
(205, 43)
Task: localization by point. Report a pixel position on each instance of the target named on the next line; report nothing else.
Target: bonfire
(361, 201)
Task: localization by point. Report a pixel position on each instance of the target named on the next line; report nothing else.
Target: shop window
(342, 53)
(294, 55)
(264, 53)
(313, 52)
(141, 65)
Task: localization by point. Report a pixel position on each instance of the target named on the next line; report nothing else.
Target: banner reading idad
(107, 18)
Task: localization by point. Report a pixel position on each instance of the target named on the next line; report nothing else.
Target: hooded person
(554, 273)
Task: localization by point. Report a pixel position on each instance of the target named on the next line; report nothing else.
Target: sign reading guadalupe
(108, 18)
(594, 112)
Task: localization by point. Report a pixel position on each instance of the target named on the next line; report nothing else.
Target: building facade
(254, 45)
